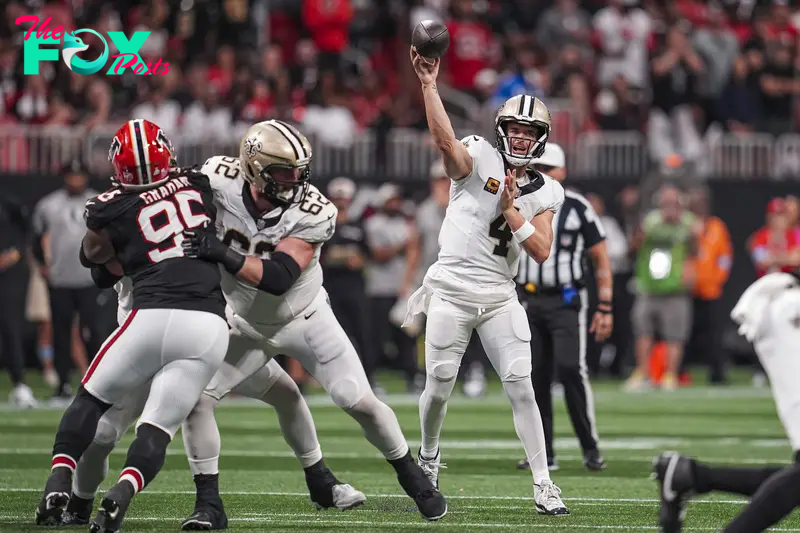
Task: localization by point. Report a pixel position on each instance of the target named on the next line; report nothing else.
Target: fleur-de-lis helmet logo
(252, 146)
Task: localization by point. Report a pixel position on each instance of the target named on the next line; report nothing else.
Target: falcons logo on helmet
(141, 155)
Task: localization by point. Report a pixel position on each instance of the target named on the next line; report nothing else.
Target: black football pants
(558, 345)
(64, 303)
(349, 304)
(13, 287)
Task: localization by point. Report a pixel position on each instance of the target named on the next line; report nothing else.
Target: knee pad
(517, 368)
(346, 392)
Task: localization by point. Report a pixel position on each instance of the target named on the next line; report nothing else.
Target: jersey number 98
(163, 222)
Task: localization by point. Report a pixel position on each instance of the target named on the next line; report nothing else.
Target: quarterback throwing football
(497, 210)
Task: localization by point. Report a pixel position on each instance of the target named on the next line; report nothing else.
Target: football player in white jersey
(271, 224)
(277, 389)
(497, 210)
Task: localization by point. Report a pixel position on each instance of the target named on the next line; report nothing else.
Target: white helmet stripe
(293, 139)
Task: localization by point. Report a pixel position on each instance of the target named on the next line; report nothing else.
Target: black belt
(531, 289)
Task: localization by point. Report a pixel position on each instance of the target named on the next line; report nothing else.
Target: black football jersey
(347, 238)
(146, 229)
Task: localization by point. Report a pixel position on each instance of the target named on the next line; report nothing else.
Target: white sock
(295, 419)
(528, 423)
(380, 426)
(91, 470)
(201, 438)
(432, 408)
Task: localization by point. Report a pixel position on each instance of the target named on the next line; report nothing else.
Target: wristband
(524, 231)
(232, 261)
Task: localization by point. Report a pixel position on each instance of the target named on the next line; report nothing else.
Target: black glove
(203, 243)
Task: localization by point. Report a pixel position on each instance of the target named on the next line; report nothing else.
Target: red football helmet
(141, 154)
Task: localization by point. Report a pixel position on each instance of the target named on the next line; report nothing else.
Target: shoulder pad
(318, 218)
(100, 210)
(221, 170)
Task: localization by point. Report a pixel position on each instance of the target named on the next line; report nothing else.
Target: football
(431, 39)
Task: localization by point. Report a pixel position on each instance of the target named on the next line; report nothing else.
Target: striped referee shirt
(576, 227)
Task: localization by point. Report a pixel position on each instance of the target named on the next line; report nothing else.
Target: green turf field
(264, 489)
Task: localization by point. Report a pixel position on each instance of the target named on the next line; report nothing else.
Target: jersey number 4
(500, 230)
(163, 222)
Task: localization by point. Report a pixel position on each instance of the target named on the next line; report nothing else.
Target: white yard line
(401, 496)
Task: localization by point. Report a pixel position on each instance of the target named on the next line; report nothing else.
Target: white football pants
(505, 334)
(777, 350)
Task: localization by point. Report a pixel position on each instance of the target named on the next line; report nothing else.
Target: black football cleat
(593, 461)
(50, 511)
(78, 512)
(207, 516)
(327, 492)
(112, 509)
(675, 478)
(430, 502)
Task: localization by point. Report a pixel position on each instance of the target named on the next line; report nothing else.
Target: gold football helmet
(275, 158)
(527, 110)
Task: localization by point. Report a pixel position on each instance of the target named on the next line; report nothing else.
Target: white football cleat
(22, 397)
(431, 467)
(346, 497)
(548, 500)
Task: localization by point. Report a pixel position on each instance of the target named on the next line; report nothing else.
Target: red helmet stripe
(142, 160)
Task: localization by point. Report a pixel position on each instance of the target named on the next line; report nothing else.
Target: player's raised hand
(427, 69)
(510, 192)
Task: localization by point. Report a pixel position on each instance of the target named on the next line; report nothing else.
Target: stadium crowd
(675, 70)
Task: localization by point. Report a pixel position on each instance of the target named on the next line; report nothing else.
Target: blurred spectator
(675, 69)
(780, 28)
(621, 33)
(152, 17)
(665, 245)
(157, 107)
(712, 266)
(387, 233)
(779, 88)
(615, 351)
(328, 22)
(617, 107)
(471, 46)
(33, 104)
(343, 261)
(793, 212)
(327, 117)
(259, 105)
(58, 220)
(718, 46)
(196, 81)
(372, 100)
(739, 105)
(10, 80)
(272, 63)
(564, 23)
(221, 74)
(773, 247)
(206, 119)
(524, 79)
(13, 239)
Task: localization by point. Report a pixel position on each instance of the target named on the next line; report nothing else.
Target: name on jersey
(171, 187)
(492, 185)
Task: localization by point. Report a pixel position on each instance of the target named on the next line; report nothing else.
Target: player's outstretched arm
(457, 161)
(96, 248)
(275, 275)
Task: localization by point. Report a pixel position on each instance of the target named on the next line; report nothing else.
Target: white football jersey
(241, 226)
(478, 258)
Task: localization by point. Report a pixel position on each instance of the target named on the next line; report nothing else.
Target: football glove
(203, 243)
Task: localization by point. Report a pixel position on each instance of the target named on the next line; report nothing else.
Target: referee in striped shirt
(556, 301)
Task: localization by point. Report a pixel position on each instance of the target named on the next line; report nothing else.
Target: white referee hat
(553, 156)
